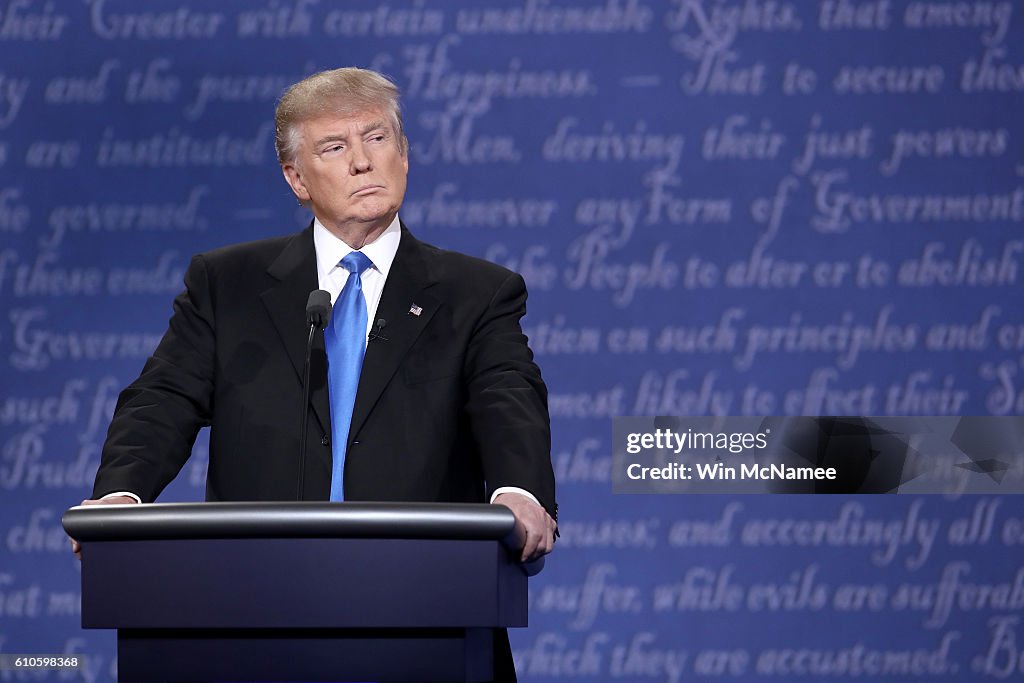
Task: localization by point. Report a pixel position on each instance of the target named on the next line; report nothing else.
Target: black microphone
(318, 308)
(318, 314)
(377, 333)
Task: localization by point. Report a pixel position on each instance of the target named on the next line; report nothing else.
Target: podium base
(304, 655)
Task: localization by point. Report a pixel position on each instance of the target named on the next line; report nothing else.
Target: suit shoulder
(457, 265)
(270, 246)
(255, 254)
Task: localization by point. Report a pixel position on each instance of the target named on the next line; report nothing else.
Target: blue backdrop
(720, 207)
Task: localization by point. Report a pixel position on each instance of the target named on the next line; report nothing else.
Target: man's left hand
(534, 526)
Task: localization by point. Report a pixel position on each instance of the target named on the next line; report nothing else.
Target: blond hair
(341, 92)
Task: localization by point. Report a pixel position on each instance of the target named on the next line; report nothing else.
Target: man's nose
(360, 160)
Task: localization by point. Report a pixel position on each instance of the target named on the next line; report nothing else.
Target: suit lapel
(295, 272)
(409, 277)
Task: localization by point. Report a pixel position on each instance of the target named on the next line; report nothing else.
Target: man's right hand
(76, 548)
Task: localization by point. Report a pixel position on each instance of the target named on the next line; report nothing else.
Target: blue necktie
(345, 339)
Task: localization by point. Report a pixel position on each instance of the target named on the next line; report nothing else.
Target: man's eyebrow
(339, 137)
(373, 125)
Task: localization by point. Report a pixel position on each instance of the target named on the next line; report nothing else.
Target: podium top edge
(179, 521)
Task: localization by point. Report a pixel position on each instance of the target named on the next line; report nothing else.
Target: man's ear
(294, 179)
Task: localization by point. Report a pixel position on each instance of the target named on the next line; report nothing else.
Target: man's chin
(371, 220)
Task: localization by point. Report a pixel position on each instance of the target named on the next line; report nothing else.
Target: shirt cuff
(513, 489)
(122, 493)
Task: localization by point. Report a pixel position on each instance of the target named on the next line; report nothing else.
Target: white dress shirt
(332, 276)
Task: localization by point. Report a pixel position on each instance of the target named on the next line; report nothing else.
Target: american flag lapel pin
(415, 310)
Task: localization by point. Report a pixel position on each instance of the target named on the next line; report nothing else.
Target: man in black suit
(449, 405)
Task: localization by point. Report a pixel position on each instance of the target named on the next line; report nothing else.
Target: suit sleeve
(507, 399)
(159, 415)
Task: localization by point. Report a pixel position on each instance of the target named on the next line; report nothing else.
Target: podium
(202, 592)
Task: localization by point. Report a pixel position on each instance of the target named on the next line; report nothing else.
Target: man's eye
(334, 148)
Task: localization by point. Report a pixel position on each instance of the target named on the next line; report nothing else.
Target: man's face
(351, 170)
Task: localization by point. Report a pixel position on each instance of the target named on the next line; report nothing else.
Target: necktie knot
(356, 262)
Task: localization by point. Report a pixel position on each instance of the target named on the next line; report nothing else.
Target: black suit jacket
(450, 405)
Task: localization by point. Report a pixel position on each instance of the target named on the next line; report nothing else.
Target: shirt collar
(330, 249)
